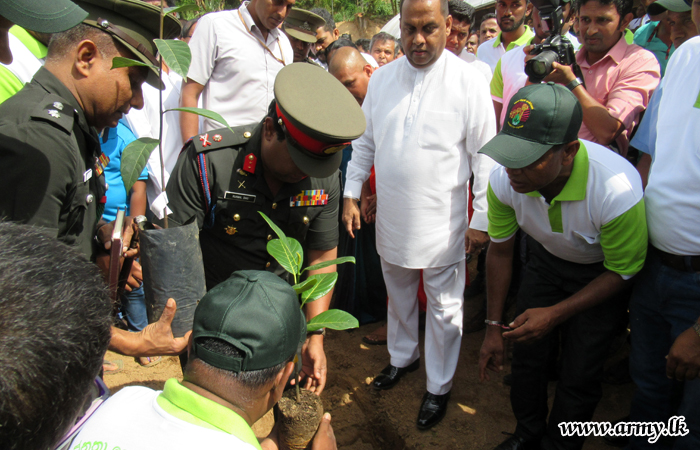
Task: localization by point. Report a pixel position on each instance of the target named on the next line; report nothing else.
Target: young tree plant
(289, 254)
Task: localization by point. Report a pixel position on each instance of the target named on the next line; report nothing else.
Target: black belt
(679, 262)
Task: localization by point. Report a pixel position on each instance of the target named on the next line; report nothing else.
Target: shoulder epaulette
(223, 138)
(52, 109)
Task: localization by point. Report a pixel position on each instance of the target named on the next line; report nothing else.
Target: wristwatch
(574, 84)
(321, 331)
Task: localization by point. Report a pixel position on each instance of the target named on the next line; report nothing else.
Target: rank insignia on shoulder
(242, 172)
(217, 138)
(205, 139)
(58, 106)
(231, 230)
(250, 161)
(55, 114)
(315, 197)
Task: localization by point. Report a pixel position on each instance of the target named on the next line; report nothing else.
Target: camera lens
(540, 66)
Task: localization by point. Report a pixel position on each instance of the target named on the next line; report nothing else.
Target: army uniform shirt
(226, 196)
(52, 163)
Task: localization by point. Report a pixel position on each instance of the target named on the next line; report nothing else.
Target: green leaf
(134, 159)
(325, 283)
(278, 231)
(324, 264)
(176, 54)
(182, 8)
(287, 256)
(333, 319)
(204, 112)
(304, 285)
(119, 61)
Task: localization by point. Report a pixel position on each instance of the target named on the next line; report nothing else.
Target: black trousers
(585, 339)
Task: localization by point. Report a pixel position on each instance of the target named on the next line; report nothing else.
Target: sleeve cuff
(353, 189)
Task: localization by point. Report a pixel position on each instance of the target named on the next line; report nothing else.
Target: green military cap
(301, 24)
(42, 16)
(319, 116)
(539, 117)
(135, 24)
(659, 6)
(257, 313)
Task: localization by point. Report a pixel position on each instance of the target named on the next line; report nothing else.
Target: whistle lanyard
(262, 43)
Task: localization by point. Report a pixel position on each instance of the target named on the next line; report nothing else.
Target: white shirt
(237, 72)
(132, 419)
(481, 66)
(24, 64)
(672, 195)
(612, 188)
(492, 50)
(424, 128)
(508, 78)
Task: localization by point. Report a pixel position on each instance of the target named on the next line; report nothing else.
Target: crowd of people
(573, 186)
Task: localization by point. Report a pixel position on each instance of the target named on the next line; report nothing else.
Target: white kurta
(424, 128)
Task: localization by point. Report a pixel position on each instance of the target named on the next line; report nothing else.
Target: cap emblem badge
(519, 113)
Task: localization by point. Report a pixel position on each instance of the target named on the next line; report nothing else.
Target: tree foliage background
(342, 10)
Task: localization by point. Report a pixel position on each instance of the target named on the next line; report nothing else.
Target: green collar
(180, 402)
(522, 40)
(33, 45)
(575, 187)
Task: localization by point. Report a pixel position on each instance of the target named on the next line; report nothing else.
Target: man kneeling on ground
(238, 366)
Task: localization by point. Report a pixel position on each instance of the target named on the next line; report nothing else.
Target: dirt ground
(364, 419)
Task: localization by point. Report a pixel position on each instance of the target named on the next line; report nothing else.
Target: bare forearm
(602, 288)
(597, 119)
(137, 205)
(318, 306)
(499, 270)
(189, 123)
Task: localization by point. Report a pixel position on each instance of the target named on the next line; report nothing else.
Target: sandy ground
(364, 419)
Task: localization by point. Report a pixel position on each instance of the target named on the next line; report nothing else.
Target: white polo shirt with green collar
(492, 50)
(138, 418)
(598, 216)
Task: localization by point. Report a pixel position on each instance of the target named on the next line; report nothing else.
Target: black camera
(555, 48)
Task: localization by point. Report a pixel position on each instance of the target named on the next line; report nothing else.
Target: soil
(298, 420)
(364, 419)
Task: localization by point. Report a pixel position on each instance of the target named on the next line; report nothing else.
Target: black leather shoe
(391, 375)
(515, 443)
(432, 410)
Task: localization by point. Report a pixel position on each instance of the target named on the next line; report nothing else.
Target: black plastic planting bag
(172, 268)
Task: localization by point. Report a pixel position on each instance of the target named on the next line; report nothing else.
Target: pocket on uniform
(76, 215)
(440, 130)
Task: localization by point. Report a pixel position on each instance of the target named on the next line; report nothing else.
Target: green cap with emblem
(257, 313)
(135, 24)
(539, 117)
(302, 24)
(42, 16)
(307, 97)
(659, 6)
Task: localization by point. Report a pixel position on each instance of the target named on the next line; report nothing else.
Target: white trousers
(444, 289)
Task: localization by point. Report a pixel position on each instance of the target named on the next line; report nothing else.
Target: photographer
(619, 77)
(509, 75)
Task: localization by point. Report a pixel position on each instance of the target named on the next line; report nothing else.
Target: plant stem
(160, 110)
(296, 385)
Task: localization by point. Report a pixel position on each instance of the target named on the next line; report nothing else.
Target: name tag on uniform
(228, 195)
(87, 175)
